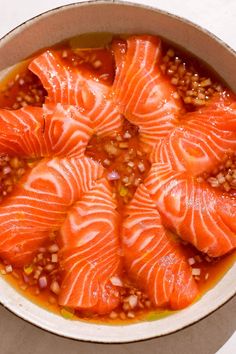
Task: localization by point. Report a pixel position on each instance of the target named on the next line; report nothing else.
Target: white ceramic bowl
(104, 16)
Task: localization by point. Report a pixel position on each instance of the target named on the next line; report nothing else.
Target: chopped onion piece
(191, 261)
(148, 303)
(125, 179)
(206, 82)
(113, 315)
(49, 267)
(126, 306)
(175, 95)
(118, 138)
(97, 64)
(137, 181)
(111, 149)
(8, 269)
(39, 257)
(123, 145)
(196, 271)
(130, 314)
(55, 287)
(43, 282)
(54, 258)
(26, 278)
(133, 301)
(113, 176)
(122, 316)
(127, 135)
(208, 259)
(6, 170)
(141, 167)
(107, 162)
(116, 281)
(64, 54)
(130, 164)
(53, 248)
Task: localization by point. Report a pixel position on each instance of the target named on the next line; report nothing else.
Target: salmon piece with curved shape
(22, 132)
(69, 86)
(153, 260)
(90, 253)
(202, 139)
(142, 93)
(68, 130)
(39, 203)
(35, 132)
(195, 211)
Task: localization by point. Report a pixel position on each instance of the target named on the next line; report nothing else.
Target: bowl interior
(109, 16)
(70, 21)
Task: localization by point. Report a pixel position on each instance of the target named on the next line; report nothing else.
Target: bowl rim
(86, 3)
(14, 30)
(145, 339)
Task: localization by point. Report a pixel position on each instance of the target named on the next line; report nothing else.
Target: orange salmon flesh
(117, 179)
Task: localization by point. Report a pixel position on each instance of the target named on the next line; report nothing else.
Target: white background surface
(207, 336)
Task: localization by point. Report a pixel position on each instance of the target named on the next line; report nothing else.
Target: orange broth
(20, 88)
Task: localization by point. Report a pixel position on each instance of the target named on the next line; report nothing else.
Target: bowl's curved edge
(146, 338)
(122, 3)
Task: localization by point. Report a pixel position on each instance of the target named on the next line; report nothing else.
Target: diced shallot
(130, 164)
(116, 281)
(43, 282)
(127, 135)
(113, 176)
(54, 258)
(26, 278)
(55, 287)
(8, 269)
(53, 248)
(133, 301)
(6, 170)
(130, 314)
(196, 271)
(141, 167)
(191, 261)
(113, 315)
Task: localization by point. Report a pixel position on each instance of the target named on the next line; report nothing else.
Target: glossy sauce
(22, 87)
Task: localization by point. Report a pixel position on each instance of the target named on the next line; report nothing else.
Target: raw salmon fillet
(53, 130)
(39, 203)
(153, 260)
(90, 254)
(142, 93)
(69, 86)
(202, 140)
(195, 211)
(69, 194)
